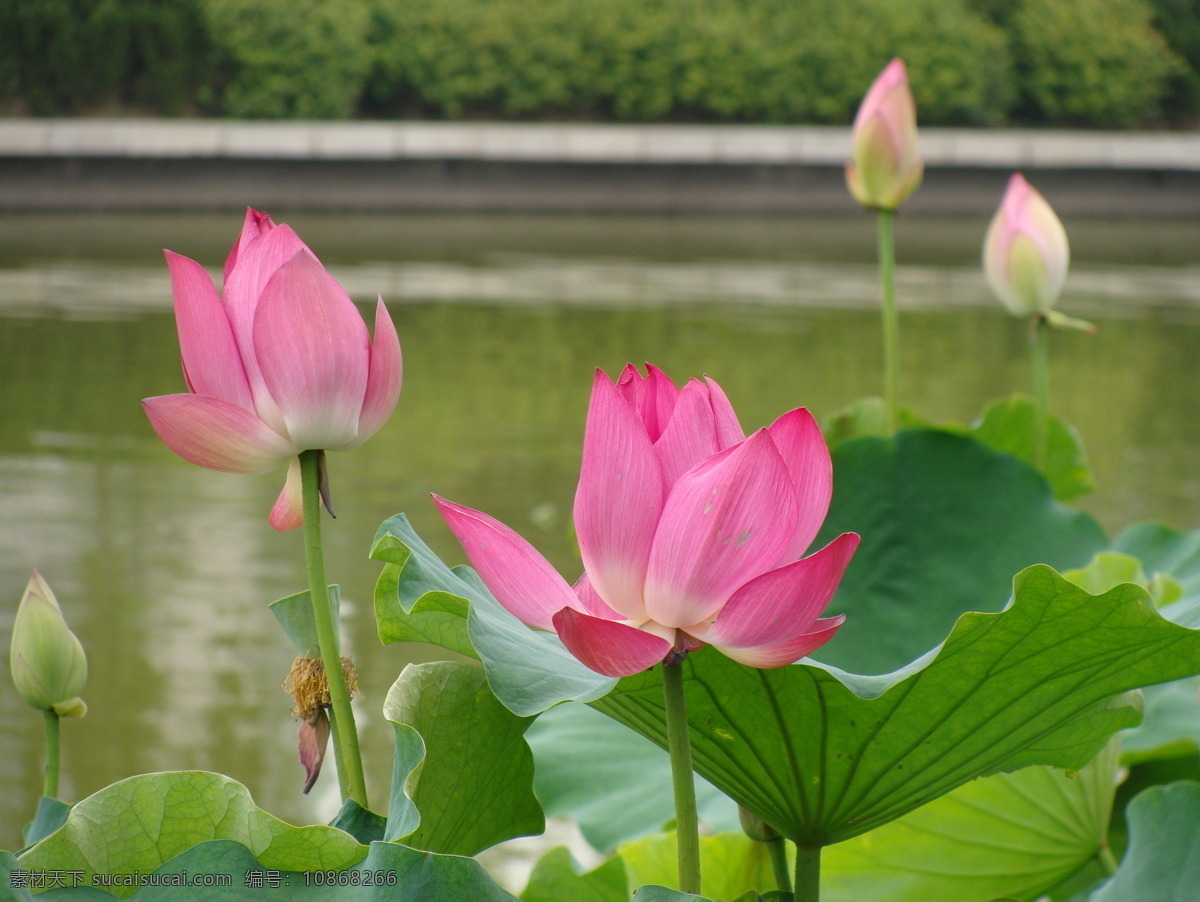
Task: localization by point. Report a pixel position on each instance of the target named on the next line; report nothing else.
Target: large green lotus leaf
(945, 523)
(363, 824)
(1171, 726)
(1010, 425)
(1171, 558)
(1111, 568)
(148, 819)
(1162, 863)
(475, 787)
(663, 894)
(529, 671)
(389, 871)
(556, 879)
(1007, 425)
(868, 417)
(403, 817)
(730, 864)
(1009, 835)
(295, 614)
(823, 755)
(16, 885)
(50, 815)
(615, 784)
(1162, 549)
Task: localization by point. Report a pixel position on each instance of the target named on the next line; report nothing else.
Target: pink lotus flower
(887, 166)
(1025, 253)
(280, 363)
(690, 533)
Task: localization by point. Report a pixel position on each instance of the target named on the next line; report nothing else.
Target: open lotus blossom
(1025, 253)
(690, 533)
(887, 165)
(280, 362)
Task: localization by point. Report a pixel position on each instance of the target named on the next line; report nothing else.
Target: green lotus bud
(48, 665)
(755, 827)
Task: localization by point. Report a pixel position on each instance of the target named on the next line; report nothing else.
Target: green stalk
(1041, 390)
(680, 747)
(777, 849)
(1107, 861)
(808, 873)
(342, 729)
(891, 318)
(50, 785)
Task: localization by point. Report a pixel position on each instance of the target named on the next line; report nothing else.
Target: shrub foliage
(1097, 63)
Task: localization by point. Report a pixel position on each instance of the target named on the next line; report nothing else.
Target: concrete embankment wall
(125, 164)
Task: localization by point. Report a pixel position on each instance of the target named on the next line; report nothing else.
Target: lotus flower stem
(777, 849)
(808, 873)
(1107, 860)
(345, 736)
(891, 319)
(1041, 389)
(680, 747)
(50, 785)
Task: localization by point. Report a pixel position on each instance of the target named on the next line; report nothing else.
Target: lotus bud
(887, 165)
(755, 827)
(1025, 253)
(48, 665)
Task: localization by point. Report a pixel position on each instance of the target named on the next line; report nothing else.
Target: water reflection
(92, 291)
(165, 570)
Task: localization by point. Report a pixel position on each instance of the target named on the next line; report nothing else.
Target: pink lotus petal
(607, 646)
(288, 512)
(312, 743)
(313, 348)
(619, 499)
(652, 396)
(257, 261)
(216, 434)
(629, 384)
(787, 652)
(729, 430)
(590, 601)
(384, 377)
(690, 436)
(726, 521)
(253, 226)
(784, 603)
(212, 364)
(521, 579)
(658, 406)
(799, 440)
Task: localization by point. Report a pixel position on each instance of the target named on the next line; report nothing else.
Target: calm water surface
(165, 570)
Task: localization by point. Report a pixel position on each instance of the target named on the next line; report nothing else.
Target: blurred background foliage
(1079, 63)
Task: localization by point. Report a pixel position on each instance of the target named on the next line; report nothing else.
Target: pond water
(165, 570)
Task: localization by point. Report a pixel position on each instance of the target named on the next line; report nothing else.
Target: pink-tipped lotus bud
(48, 665)
(1025, 253)
(887, 166)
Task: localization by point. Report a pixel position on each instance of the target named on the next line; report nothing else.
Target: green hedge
(766, 61)
(1092, 61)
(289, 59)
(1098, 63)
(85, 56)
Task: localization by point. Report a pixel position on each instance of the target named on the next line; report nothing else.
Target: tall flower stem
(891, 318)
(1041, 390)
(50, 784)
(345, 736)
(1107, 861)
(680, 747)
(808, 873)
(777, 849)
